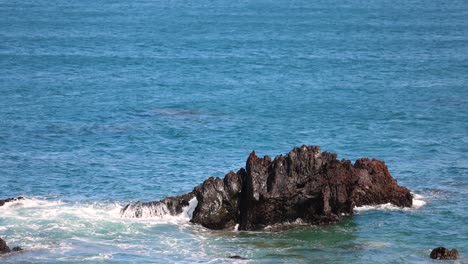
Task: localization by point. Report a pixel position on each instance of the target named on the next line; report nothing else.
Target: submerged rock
(2, 202)
(305, 185)
(444, 253)
(17, 249)
(237, 257)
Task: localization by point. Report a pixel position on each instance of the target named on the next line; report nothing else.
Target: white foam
(34, 209)
(159, 211)
(98, 257)
(385, 207)
(418, 202)
(30, 203)
(67, 223)
(187, 212)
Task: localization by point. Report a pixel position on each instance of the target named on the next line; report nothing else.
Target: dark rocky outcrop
(4, 247)
(2, 202)
(16, 249)
(444, 253)
(305, 185)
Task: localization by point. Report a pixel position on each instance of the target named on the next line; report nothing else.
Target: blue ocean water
(107, 102)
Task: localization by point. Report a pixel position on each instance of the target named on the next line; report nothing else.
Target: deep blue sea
(108, 102)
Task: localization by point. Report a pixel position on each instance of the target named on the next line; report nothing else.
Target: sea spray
(187, 211)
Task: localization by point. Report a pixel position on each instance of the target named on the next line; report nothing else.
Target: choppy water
(106, 102)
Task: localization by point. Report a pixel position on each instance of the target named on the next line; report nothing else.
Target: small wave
(58, 218)
(385, 207)
(33, 209)
(418, 202)
(158, 210)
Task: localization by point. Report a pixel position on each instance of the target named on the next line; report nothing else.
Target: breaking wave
(157, 210)
(37, 209)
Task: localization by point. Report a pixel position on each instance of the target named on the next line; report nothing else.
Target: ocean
(108, 102)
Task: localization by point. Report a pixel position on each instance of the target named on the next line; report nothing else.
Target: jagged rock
(444, 253)
(305, 186)
(218, 201)
(3, 247)
(2, 202)
(377, 186)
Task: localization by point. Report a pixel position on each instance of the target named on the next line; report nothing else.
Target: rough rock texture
(304, 184)
(2, 202)
(444, 254)
(376, 186)
(3, 247)
(218, 201)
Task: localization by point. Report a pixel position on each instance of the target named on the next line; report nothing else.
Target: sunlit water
(108, 102)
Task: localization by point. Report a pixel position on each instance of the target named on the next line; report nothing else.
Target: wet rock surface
(4, 201)
(305, 185)
(3, 247)
(170, 205)
(444, 253)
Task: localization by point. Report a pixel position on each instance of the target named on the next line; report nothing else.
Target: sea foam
(418, 202)
(160, 210)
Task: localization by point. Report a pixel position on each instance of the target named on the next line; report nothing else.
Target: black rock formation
(2, 202)
(305, 185)
(3, 247)
(444, 253)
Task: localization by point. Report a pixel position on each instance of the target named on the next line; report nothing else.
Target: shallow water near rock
(105, 103)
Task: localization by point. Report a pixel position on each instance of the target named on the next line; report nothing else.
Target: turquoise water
(107, 102)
